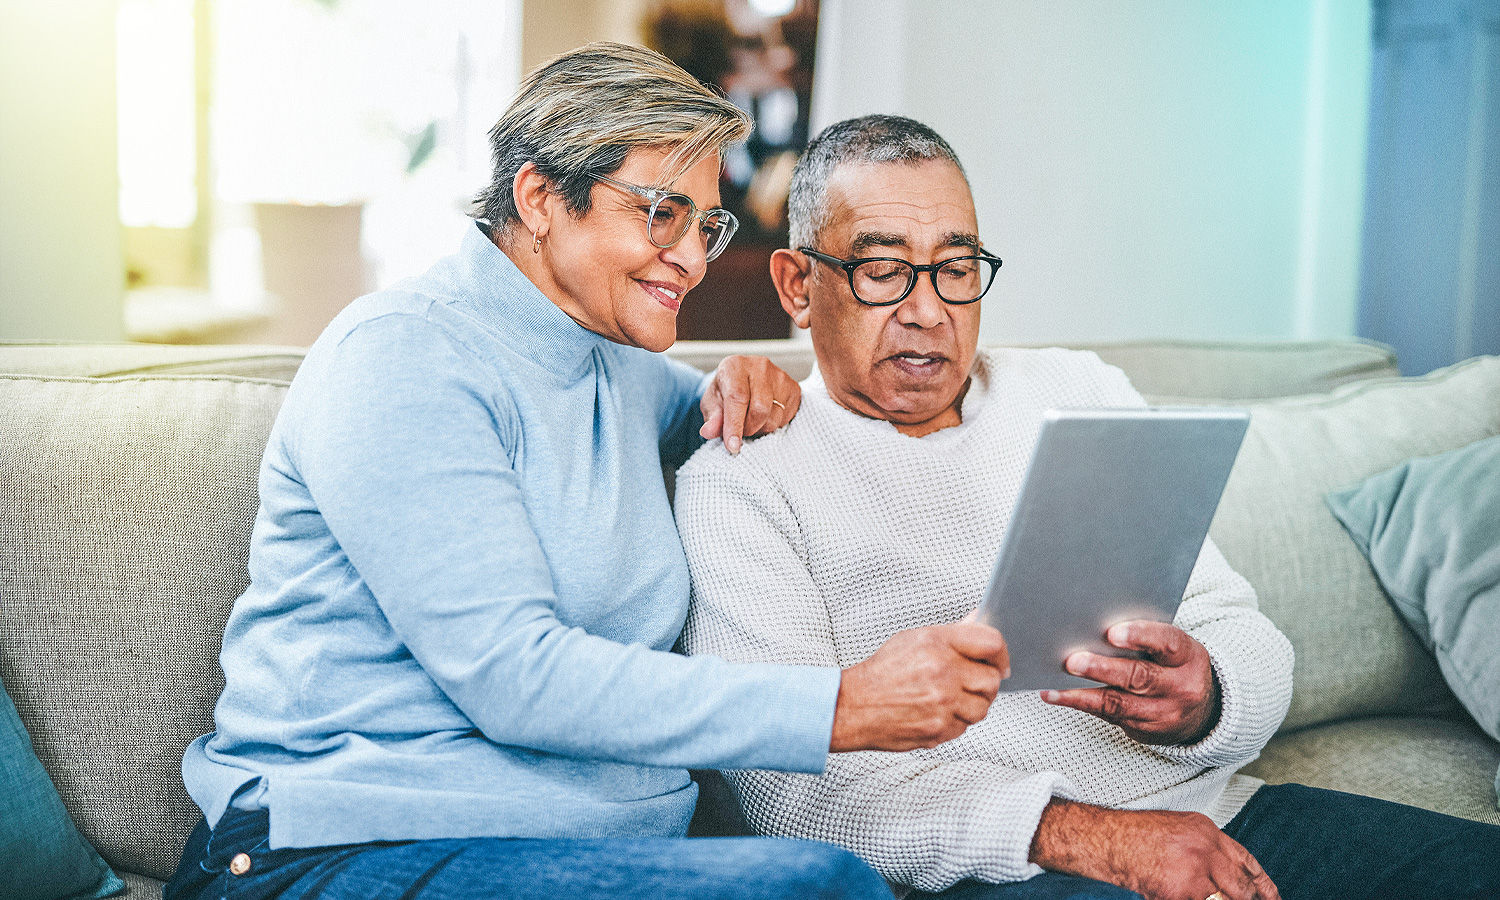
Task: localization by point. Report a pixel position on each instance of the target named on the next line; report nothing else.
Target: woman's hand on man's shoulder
(749, 396)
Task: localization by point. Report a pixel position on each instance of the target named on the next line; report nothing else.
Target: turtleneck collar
(487, 286)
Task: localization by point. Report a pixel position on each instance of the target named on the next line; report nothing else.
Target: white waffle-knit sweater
(818, 542)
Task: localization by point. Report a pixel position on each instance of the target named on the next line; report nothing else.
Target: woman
(449, 676)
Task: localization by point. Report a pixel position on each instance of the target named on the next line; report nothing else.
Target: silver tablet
(1108, 525)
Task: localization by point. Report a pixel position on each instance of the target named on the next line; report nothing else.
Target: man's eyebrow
(961, 239)
(867, 239)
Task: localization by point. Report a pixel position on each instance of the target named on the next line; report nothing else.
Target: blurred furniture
(128, 491)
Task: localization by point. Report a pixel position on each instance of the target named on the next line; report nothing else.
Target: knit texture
(817, 543)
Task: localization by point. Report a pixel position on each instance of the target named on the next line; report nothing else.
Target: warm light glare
(773, 8)
(157, 132)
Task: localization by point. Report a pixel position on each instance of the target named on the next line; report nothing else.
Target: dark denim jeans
(1321, 845)
(499, 868)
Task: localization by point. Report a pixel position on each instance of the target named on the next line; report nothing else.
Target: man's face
(908, 363)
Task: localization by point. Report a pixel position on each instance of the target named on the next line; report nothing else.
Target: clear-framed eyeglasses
(672, 214)
(884, 281)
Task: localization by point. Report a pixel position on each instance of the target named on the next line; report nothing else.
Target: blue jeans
(501, 868)
(1320, 845)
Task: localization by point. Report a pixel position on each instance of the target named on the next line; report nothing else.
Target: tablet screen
(1111, 517)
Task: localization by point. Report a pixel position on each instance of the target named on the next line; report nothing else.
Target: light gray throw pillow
(1431, 530)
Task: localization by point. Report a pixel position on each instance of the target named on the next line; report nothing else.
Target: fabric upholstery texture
(1431, 530)
(42, 855)
(140, 887)
(1439, 764)
(126, 506)
(1354, 656)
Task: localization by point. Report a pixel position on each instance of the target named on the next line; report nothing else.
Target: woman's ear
(789, 272)
(531, 192)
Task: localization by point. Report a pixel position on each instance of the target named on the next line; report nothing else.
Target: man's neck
(949, 417)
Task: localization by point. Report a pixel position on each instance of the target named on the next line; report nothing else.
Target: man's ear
(789, 272)
(532, 194)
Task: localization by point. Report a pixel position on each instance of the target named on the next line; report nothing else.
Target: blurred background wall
(61, 271)
(1173, 169)
(238, 170)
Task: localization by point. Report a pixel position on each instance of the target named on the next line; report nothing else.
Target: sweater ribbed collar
(505, 301)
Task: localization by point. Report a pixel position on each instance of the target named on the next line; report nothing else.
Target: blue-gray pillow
(42, 855)
(1431, 530)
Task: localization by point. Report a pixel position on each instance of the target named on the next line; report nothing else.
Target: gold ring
(1216, 895)
(778, 403)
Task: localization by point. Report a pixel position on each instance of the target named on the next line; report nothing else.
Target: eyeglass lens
(673, 214)
(887, 280)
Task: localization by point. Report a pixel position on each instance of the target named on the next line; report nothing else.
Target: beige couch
(128, 487)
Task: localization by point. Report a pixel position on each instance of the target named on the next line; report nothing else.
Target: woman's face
(607, 274)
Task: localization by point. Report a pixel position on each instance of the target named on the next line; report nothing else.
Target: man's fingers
(1138, 676)
(1163, 642)
(980, 643)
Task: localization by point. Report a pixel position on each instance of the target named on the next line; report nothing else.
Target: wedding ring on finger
(780, 404)
(1216, 895)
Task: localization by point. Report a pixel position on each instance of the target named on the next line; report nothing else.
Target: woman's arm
(403, 442)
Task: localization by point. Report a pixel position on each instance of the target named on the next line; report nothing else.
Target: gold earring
(536, 244)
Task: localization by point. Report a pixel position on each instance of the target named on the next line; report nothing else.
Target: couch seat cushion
(1443, 765)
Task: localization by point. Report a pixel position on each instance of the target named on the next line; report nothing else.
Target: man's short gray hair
(867, 139)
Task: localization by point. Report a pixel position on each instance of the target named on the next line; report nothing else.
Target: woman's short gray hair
(867, 139)
(584, 111)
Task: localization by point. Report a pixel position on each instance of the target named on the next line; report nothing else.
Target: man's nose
(922, 308)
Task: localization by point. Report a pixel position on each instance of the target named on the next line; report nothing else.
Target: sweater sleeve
(1252, 660)
(405, 456)
(916, 817)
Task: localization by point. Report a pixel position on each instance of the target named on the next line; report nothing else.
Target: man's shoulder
(1042, 359)
(758, 458)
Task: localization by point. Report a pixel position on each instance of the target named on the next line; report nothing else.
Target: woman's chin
(656, 337)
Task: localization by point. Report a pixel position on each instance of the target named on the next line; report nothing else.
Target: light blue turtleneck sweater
(465, 581)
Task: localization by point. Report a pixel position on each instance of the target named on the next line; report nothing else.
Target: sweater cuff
(799, 718)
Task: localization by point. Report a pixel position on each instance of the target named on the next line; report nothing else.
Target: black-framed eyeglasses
(884, 281)
(672, 214)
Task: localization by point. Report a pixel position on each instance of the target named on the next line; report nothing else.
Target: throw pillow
(1431, 530)
(42, 855)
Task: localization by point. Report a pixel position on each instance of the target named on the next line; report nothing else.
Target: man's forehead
(899, 204)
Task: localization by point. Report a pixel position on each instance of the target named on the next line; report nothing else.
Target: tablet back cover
(1111, 517)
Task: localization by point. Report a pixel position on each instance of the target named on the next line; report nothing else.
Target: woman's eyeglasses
(672, 214)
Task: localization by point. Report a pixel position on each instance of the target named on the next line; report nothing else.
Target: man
(881, 507)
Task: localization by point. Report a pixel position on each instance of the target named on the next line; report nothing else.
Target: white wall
(61, 271)
(1157, 168)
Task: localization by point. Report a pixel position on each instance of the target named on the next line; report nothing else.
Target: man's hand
(1170, 697)
(749, 396)
(921, 688)
(1159, 855)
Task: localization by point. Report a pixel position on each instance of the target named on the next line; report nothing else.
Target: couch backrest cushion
(1354, 656)
(125, 508)
(115, 360)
